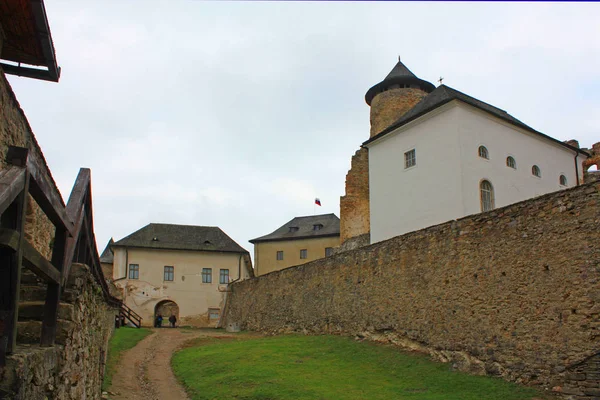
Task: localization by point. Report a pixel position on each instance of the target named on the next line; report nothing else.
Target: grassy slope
(326, 367)
(123, 339)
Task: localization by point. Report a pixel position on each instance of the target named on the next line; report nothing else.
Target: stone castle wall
(354, 206)
(75, 368)
(15, 131)
(387, 107)
(512, 292)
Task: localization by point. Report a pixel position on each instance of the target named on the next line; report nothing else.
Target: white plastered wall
(444, 185)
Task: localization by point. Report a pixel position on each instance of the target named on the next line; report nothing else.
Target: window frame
(328, 250)
(168, 273)
(222, 275)
(536, 171)
(206, 275)
(486, 204)
(483, 152)
(514, 162)
(410, 161)
(278, 254)
(303, 254)
(562, 178)
(130, 269)
(212, 311)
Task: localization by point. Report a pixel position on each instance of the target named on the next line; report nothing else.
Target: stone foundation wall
(73, 370)
(512, 292)
(354, 206)
(15, 131)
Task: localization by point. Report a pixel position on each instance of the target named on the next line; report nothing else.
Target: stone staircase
(31, 311)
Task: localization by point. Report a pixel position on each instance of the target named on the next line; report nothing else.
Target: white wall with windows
(457, 161)
(406, 197)
(191, 279)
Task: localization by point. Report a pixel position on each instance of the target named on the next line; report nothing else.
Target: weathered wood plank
(32, 259)
(12, 183)
(54, 290)
(46, 195)
(36, 262)
(10, 270)
(9, 238)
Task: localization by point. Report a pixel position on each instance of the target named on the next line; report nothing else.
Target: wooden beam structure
(74, 240)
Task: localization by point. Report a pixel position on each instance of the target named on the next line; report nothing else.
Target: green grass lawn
(326, 367)
(123, 339)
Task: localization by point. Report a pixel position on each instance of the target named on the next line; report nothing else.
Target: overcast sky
(239, 114)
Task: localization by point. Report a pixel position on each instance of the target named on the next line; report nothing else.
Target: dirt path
(144, 372)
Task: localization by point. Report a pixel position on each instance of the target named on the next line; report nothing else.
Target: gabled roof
(107, 255)
(181, 237)
(306, 228)
(444, 94)
(27, 40)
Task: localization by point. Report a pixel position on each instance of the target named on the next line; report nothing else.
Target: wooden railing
(131, 315)
(74, 241)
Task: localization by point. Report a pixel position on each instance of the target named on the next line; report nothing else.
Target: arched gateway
(166, 308)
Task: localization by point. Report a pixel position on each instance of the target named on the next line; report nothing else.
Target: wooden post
(11, 261)
(54, 290)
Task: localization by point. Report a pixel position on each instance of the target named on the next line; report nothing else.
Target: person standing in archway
(172, 320)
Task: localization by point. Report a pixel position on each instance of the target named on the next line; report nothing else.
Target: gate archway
(166, 308)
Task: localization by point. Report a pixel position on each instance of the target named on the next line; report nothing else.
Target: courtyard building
(180, 270)
(437, 154)
(298, 241)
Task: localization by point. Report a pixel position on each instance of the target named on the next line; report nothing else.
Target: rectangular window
(224, 276)
(328, 251)
(280, 255)
(169, 273)
(213, 313)
(206, 275)
(134, 271)
(410, 159)
(303, 253)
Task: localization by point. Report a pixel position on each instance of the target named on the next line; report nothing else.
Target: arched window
(562, 180)
(510, 162)
(486, 191)
(483, 152)
(535, 171)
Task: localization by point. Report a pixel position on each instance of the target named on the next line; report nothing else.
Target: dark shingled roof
(305, 225)
(181, 237)
(107, 255)
(400, 75)
(444, 94)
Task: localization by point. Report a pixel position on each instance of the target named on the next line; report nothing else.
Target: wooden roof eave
(52, 73)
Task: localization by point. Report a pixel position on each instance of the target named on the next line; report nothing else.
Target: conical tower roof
(399, 75)
(400, 70)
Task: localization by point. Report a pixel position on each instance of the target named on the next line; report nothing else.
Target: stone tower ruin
(390, 99)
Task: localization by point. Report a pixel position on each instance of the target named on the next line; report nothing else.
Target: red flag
(317, 201)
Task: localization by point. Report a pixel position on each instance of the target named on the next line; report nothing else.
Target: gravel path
(144, 372)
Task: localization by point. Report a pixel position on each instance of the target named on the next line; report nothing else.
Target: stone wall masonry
(512, 292)
(15, 131)
(387, 107)
(75, 369)
(354, 205)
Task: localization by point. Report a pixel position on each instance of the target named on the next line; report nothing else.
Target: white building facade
(453, 156)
